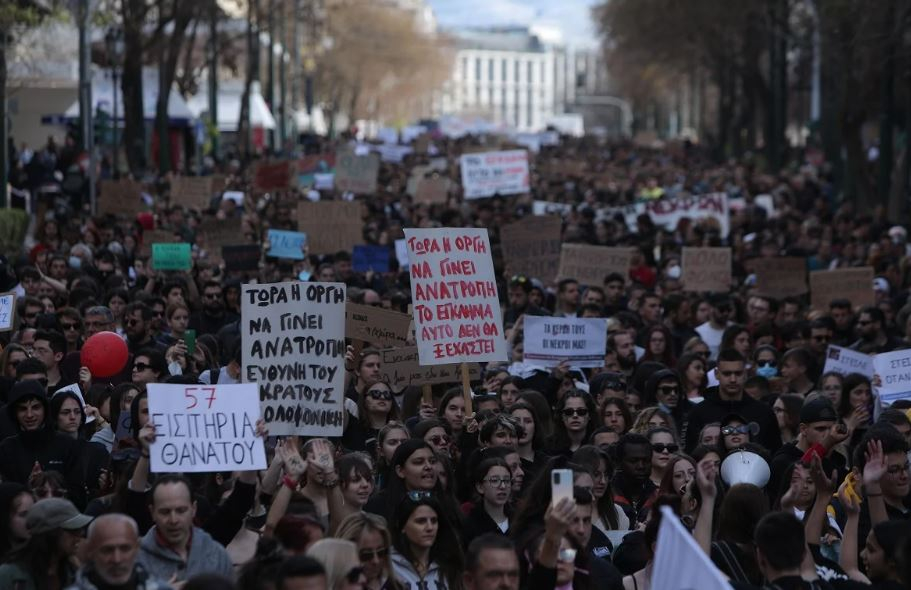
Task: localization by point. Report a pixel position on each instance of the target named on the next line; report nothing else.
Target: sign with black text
(550, 341)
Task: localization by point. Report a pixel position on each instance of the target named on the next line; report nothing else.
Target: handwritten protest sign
(357, 174)
(853, 284)
(495, 173)
(309, 167)
(331, 225)
(220, 232)
(273, 176)
(171, 257)
(706, 269)
(7, 311)
(783, 276)
(894, 370)
(401, 253)
(400, 368)
(205, 428)
(286, 244)
(241, 257)
(846, 361)
(121, 197)
(293, 346)
(591, 264)
(551, 341)
(431, 190)
(531, 247)
(456, 307)
(382, 327)
(193, 191)
(367, 258)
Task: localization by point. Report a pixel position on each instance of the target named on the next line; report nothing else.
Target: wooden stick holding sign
(466, 389)
(427, 394)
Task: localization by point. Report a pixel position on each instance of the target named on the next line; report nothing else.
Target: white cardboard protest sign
(846, 361)
(7, 311)
(293, 341)
(490, 173)
(456, 307)
(679, 561)
(200, 428)
(401, 253)
(894, 370)
(550, 341)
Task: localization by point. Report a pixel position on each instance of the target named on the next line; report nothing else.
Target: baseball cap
(55, 513)
(818, 410)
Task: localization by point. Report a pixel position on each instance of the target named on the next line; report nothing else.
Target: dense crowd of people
(712, 404)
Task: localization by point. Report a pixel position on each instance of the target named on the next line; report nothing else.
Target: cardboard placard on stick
(331, 226)
(193, 191)
(853, 284)
(274, 176)
(399, 368)
(357, 174)
(532, 247)
(432, 190)
(591, 264)
(378, 326)
(219, 233)
(706, 269)
(782, 276)
(121, 197)
(241, 257)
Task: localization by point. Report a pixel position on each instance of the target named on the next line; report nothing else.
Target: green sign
(171, 257)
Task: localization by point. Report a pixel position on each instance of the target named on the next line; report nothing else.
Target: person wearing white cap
(48, 559)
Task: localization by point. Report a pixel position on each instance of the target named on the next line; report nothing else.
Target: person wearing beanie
(818, 426)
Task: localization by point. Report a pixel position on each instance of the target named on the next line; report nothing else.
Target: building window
(530, 73)
(477, 68)
(490, 96)
(531, 107)
(477, 95)
(464, 68)
(490, 69)
(543, 72)
(518, 66)
(503, 102)
(516, 106)
(503, 70)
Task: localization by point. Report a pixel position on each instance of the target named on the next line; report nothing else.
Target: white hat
(745, 467)
(881, 284)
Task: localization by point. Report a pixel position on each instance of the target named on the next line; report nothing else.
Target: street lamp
(113, 41)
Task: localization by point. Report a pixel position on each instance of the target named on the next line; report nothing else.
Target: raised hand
(875, 467)
(824, 485)
(705, 479)
(147, 436)
(320, 455)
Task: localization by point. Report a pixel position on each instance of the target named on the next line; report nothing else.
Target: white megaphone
(745, 467)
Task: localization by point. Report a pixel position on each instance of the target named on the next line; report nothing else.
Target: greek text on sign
(707, 269)
(853, 284)
(456, 307)
(376, 325)
(7, 311)
(205, 428)
(293, 341)
(399, 369)
(590, 265)
(846, 361)
(531, 247)
(894, 370)
(491, 173)
(551, 341)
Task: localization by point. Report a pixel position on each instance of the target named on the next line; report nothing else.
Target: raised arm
(874, 469)
(848, 558)
(705, 479)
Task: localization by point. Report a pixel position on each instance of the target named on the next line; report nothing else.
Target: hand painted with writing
(320, 455)
(295, 465)
(147, 436)
(261, 430)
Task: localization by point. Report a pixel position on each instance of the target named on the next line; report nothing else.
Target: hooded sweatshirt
(206, 556)
(409, 578)
(714, 409)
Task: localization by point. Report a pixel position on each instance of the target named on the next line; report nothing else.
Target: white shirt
(712, 337)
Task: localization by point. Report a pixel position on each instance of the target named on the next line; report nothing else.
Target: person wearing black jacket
(729, 398)
(492, 485)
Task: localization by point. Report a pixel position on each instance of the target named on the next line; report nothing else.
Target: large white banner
(894, 370)
(293, 339)
(846, 361)
(550, 341)
(668, 212)
(204, 428)
(454, 291)
(495, 173)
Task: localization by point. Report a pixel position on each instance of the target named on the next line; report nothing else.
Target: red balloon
(105, 354)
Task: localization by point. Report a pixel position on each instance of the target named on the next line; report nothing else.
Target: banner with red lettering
(454, 292)
(667, 213)
(495, 173)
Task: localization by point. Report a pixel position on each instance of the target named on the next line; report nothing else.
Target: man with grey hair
(111, 557)
(98, 318)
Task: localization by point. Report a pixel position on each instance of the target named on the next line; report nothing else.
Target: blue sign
(286, 244)
(375, 258)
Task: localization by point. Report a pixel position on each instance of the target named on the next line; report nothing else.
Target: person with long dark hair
(426, 549)
(575, 419)
(492, 491)
(531, 438)
(413, 469)
(606, 515)
(15, 501)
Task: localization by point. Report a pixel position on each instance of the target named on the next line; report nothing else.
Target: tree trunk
(183, 13)
(4, 133)
(243, 125)
(131, 86)
(887, 116)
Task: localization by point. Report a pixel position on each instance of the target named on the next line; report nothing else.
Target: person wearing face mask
(765, 361)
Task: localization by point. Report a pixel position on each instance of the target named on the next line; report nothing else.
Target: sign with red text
(454, 291)
(200, 428)
(495, 173)
(293, 346)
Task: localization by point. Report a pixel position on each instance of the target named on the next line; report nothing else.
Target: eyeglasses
(667, 390)
(664, 447)
(140, 367)
(67, 327)
(438, 440)
(380, 394)
(729, 430)
(212, 295)
(766, 363)
(570, 412)
(615, 385)
(371, 554)
(417, 496)
(354, 575)
(499, 482)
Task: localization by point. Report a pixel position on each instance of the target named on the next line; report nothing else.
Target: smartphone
(561, 485)
(189, 338)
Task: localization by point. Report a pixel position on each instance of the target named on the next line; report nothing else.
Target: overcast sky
(571, 17)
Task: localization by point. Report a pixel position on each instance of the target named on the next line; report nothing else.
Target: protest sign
(782, 276)
(456, 307)
(171, 257)
(324, 182)
(120, 197)
(236, 197)
(193, 191)
(846, 361)
(7, 311)
(309, 167)
(894, 370)
(698, 208)
(156, 236)
(205, 428)
(706, 269)
(400, 368)
(273, 176)
(531, 247)
(591, 264)
(431, 190)
(331, 226)
(853, 284)
(293, 346)
(367, 258)
(388, 135)
(495, 173)
(392, 153)
(357, 174)
(241, 257)
(549, 208)
(401, 253)
(412, 132)
(679, 561)
(382, 327)
(550, 341)
(286, 244)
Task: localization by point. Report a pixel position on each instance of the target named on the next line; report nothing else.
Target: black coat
(714, 409)
(477, 523)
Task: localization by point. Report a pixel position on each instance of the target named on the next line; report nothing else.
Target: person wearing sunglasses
(340, 560)
(575, 420)
(149, 366)
(426, 549)
(735, 432)
(375, 408)
(137, 325)
(371, 535)
(436, 433)
(492, 490)
(664, 447)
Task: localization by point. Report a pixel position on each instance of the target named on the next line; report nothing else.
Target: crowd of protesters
(418, 495)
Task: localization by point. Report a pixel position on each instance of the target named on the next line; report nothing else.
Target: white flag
(680, 564)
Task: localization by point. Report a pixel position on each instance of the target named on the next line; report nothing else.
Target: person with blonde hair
(371, 535)
(339, 558)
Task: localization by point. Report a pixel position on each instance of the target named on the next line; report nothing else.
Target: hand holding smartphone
(561, 485)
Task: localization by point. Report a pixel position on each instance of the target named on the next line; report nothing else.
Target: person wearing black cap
(818, 426)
